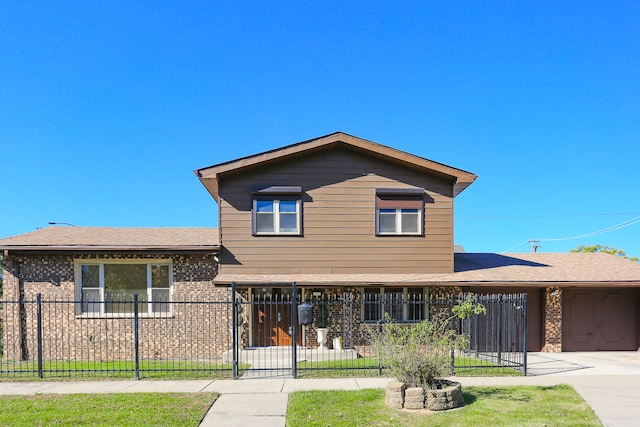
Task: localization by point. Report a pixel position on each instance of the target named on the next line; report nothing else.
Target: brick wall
(553, 320)
(197, 330)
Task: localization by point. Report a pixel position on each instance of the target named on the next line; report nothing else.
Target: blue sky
(106, 108)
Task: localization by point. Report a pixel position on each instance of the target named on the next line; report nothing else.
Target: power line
(547, 216)
(527, 242)
(595, 233)
(518, 246)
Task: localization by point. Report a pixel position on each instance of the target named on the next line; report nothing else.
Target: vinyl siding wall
(338, 218)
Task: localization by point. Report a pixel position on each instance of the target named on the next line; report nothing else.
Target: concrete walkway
(609, 382)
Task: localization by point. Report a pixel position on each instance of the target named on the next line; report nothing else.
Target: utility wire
(547, 216)
(518, 246)
(582, 236)
(595, 233)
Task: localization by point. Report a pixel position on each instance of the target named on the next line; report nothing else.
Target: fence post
(39, 332)
(500, 304)
(454, 327)
(135, 334)
(476, 330)
(294, 332)
(380, 326)
(234, 332)
(525, 327)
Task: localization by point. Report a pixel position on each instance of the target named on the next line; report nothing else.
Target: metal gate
(266, 336)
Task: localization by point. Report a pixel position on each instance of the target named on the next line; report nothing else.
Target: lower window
(108, 287)
(401, 304)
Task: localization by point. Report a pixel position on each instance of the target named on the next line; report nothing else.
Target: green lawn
(185, 369)
(368, 366)
(121, 409)
(120, 369)
(485, 406)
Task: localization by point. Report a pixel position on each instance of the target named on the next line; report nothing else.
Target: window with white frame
(277, 211)
(108, 286)
(401, 304)
(399, 212)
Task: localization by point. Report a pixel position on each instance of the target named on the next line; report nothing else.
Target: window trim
(276, 199)
(150, 263)
(400, 200)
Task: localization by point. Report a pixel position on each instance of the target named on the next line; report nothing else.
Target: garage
(599, 319)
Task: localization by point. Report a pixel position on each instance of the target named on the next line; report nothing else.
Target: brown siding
(338, 219)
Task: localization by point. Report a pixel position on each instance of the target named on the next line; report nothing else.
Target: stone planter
(399, 396)
(448, 397)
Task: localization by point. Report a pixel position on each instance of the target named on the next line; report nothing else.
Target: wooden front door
(272, 324)
(599, 319)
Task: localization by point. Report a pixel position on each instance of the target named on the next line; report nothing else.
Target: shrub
(419, 354)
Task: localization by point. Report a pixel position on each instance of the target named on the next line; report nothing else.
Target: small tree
(612, 250)
(419, 354)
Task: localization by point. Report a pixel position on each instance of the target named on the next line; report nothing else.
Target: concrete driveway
(585, 363)
(608, 381)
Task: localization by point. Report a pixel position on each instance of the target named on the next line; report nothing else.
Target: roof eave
(210, 175)
(43, 248)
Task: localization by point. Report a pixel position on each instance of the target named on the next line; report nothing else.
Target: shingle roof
(113, 238)
(543, 269)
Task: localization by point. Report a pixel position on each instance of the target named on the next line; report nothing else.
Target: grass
(121, 369)
(485, 406)
(368, 366)
(181, 369)
(123, 409)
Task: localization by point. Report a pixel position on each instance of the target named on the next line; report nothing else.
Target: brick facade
(553, 320)
(192, 331)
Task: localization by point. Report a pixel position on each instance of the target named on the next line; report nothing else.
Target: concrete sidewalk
(614, 398)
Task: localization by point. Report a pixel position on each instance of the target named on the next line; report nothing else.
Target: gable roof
(482, 269)
(113, 238)
(209, 175)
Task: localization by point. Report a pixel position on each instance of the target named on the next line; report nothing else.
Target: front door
(272, 324)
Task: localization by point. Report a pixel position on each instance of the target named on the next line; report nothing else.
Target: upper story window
(399, 211)
(107, 287)
(277, 211)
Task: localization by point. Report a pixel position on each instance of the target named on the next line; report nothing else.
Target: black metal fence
(57, 338)
(246, 334)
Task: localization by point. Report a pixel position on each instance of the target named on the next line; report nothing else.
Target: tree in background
(612, 250)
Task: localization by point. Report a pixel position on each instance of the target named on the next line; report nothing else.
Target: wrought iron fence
(57, 338)
(245, 334)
